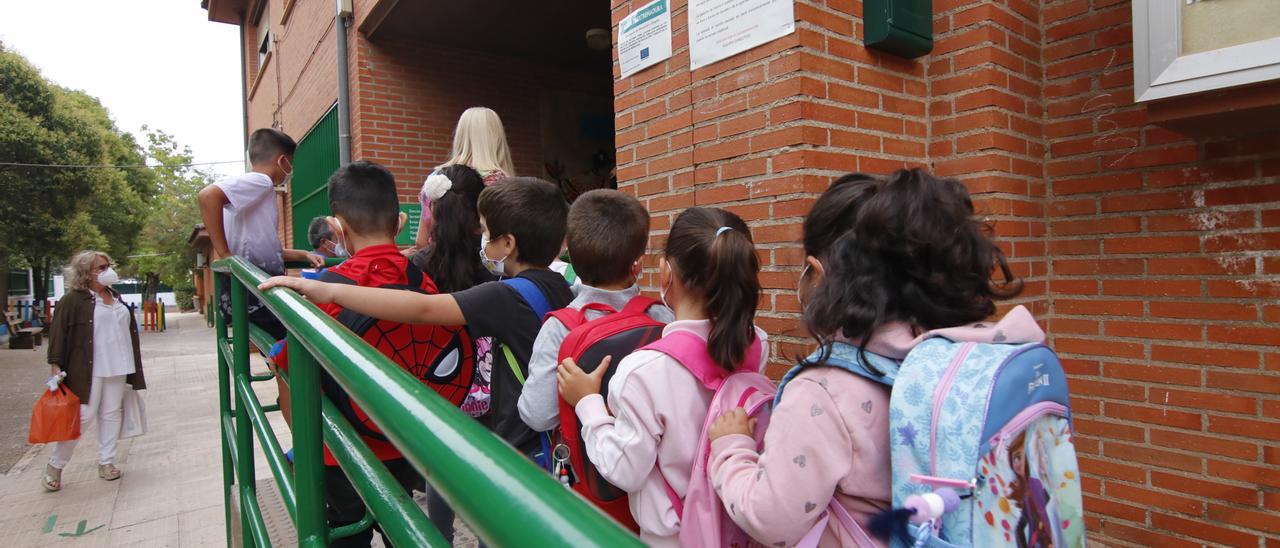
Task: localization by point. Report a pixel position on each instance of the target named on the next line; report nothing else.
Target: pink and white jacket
(651, 430)
(829, 436)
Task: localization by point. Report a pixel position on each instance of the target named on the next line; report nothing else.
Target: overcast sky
(156, 62)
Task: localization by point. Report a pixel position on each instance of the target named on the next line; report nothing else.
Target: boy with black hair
(523, 224)
(366, 218)
(607, 234)
(240, 214)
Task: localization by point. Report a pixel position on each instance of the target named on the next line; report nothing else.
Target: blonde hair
(481, 143)
(79, 270)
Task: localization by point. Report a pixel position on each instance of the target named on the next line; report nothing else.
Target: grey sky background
(156, 62)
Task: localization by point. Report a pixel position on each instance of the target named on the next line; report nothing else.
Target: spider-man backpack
(442, 357)
(617, 334)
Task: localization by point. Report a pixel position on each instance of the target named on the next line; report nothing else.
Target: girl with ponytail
(643, 440)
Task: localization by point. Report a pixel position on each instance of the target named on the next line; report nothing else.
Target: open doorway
(546, 67)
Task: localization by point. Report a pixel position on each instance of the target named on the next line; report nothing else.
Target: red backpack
(617, 333)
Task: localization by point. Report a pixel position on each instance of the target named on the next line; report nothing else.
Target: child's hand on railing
(318, 292)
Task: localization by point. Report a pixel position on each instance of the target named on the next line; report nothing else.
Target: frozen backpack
(703, 518)
(980, 444)
(442, 357)
(617, 333)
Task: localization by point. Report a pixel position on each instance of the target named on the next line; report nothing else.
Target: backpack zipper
(1024, 419)
(939, 396)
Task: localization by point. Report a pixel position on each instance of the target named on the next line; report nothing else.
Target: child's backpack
(617, 333)
(442, 357)
(538, 303)
(703, 519)
(993, 420)
(987, 428)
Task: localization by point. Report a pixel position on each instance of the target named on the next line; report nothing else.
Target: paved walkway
(171, 491)
(170, 494)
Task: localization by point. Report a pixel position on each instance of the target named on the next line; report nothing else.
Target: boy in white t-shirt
(241, 218)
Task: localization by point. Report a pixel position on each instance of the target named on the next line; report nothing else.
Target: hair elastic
(722, 230)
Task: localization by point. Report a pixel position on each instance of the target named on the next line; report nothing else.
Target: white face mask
(108, 277)
(494, 266)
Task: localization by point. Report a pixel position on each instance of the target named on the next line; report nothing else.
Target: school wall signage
(722, 28)
(644, 37)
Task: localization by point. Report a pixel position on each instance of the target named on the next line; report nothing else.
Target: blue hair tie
(722, 230)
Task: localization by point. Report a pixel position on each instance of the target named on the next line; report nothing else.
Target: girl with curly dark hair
(889, 260)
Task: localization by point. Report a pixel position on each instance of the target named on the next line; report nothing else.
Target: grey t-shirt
(251, 221)
(540, 400)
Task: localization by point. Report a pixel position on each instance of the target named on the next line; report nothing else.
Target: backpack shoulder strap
(332, 277)
(413, 274)
(531, 295)
(691, 351)
(640, 304)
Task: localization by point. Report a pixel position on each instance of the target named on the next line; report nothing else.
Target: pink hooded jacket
(650, 430)
(829, 436)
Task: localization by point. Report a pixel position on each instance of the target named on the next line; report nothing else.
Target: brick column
(763, 132)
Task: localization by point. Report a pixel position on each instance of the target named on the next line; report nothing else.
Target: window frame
(1159, 72)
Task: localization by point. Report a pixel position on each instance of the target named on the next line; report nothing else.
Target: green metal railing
(507, 500)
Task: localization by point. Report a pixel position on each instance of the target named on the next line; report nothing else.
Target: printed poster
(721, 28)
(644, 37)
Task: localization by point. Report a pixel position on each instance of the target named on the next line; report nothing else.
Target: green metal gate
(313, 163)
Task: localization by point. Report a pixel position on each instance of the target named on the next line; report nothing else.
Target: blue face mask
(494, 266)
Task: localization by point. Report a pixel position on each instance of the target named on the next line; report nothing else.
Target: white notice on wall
(721, 28)
(644, 37)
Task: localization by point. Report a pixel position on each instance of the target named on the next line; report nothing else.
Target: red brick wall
(1163, 291)
(762, 132)
(407, 99)
(1151, 257)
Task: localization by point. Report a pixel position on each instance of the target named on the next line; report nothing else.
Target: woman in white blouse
(94, 339)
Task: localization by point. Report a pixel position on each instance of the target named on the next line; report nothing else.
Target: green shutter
(313, 163)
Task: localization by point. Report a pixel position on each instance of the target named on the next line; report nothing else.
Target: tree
(163, 254)
(49, 212)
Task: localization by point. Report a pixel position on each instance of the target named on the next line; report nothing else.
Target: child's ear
(816, 266)
(403, 218)
(636, 269)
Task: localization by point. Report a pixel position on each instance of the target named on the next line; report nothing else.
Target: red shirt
(371, 266)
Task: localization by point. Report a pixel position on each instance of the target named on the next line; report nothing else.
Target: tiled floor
(171, 491)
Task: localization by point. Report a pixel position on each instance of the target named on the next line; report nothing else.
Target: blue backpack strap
(531, 295)
(847, 357)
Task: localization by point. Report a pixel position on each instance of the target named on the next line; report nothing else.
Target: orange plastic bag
(56, 417)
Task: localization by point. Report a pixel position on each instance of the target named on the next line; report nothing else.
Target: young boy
(523, 224)
(362, 196)
(608, 231)
(240, 215)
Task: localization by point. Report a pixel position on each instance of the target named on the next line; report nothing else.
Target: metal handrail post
(224, 402)
(308, 447)
(244, 429)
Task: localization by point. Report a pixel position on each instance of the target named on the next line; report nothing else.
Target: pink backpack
(703, 519)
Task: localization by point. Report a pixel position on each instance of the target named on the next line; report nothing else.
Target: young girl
(647, 437)
(479, 142)
(888, 260)
(452, 262)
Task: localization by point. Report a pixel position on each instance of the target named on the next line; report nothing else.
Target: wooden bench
(22, 337)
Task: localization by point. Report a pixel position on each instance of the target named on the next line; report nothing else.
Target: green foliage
(49, 213)
(162, 246)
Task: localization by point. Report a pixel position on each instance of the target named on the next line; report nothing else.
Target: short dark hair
(364, 194)
(608, 231)
(318, 230)
(267, 142)
(530, 209)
